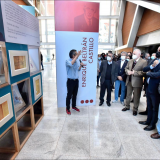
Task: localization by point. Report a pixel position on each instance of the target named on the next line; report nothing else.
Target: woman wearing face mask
(128, 58)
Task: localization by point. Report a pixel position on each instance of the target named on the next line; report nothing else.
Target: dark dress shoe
(155, 136)
(108, 104)
(149, 128)
(143, 113)
(134, 113)
(125, 109)
(100, 103)
(143, 122)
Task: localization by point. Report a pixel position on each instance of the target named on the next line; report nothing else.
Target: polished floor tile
(99, 112)
(51, 123)
(96, 132)
(73, 144)
(42, 142)
(76, 124)
(84, 112)
(101, 124)
(106, 145)
(138, 146)
(127, 125)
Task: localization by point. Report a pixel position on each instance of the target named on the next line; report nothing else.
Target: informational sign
(77, 27)
(19, 25)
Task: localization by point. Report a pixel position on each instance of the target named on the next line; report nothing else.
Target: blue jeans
(123, 90)
(158, 123)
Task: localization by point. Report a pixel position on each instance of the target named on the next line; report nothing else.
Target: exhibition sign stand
(21, 93)
(77, 27)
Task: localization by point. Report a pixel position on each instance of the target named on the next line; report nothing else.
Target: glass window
(42, 27)
(51, 30)
(43, 38)
(103, 30)
(113, 30)
(104, 7)
(42, 8)
(50, 8)
(115, 9)
(44, 53)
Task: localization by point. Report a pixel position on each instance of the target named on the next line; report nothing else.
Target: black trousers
(152, 105)
(98, 77)
(107, 84)
(72, 89)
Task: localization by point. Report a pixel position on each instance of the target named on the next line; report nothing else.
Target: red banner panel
(76, 16)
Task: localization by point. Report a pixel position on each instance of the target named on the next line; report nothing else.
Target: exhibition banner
(19, 25)
(77, 27)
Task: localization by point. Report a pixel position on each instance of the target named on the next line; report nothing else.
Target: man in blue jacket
(152, 94)
(121, 78)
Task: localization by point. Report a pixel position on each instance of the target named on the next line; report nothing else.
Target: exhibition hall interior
(79, 79)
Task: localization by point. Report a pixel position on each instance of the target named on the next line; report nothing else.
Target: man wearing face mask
(134, 81)
(109, 73)
(153, 80)
(121, 78)
(153, 56)
(147, 58)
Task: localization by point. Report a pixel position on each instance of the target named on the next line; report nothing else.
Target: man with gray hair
(134, 81)
(109, 73)
(121, 78)
(147, 58)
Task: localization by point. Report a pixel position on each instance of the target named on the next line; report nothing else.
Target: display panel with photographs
(6, 111)
(37, 87)
(34, 59)
(21, 96)
(3, 65)
(2, 75)
(18, 62)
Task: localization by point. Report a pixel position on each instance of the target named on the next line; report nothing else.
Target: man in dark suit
(145, 83)
(121, 78)
(152, 94)
(86, 22)
(109, 73)
(1, 37)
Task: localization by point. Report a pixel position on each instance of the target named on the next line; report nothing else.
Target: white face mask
(134, 57)
(108, 58)
(123, 57)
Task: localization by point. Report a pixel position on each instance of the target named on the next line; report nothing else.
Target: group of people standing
(131, 72)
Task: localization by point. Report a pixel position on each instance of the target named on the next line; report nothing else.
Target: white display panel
(37, 87)
(34, 59)
(12, 55)
(19, 25)
(88, 43)
(6, 98)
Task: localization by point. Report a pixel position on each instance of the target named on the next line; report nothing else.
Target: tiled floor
(94, 133)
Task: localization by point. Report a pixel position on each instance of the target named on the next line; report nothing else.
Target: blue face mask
(153, 57)
(99, 58)
(127, 59)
